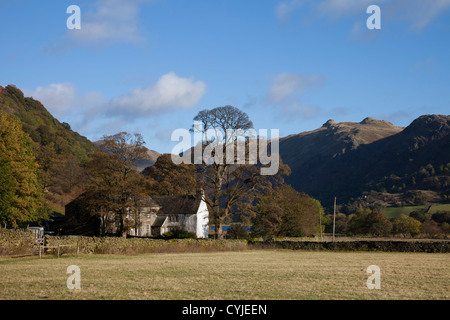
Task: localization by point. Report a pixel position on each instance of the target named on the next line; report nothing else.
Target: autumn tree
(406, 226)
(167, 178)
(115, 177)
(20, 193)
(285, 212)
(67, 173)
(369, 222)
(46, 158)
(228, 178)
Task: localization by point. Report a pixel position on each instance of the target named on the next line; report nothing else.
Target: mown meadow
(250, 274)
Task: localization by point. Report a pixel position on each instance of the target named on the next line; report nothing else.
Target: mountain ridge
(349, 158)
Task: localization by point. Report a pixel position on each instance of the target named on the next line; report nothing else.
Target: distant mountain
(346, 159)
(42, 127)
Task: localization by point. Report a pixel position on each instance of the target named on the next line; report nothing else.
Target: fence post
(58, 250)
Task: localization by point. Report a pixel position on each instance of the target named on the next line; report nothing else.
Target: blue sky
(150, 66)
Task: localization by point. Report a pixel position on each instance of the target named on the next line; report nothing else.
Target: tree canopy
(114, 180)
(285, 212)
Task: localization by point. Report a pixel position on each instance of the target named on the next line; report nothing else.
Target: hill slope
(42, 127)
(60, 152)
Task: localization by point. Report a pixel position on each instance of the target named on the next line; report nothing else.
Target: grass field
(439, 207)
(253, 274)
(392, 212)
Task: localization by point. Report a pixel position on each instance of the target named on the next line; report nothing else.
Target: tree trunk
(218, 231)
(122, 227)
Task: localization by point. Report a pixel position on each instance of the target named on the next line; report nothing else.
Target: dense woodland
(44, 165)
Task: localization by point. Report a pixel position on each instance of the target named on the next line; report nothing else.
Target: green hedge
(373, 245)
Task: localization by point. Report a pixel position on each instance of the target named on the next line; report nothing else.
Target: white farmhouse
(149, 217)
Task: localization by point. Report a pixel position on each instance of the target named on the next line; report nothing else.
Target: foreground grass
(253, 274)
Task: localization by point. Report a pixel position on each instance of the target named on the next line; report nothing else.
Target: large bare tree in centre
(227, 178)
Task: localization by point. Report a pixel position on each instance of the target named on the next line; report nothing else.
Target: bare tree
(228, 180)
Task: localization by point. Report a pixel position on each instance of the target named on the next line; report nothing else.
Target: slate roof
(172, 205)
(147, 202)
(159, 221)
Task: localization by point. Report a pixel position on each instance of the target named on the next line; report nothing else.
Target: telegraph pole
(334, 218)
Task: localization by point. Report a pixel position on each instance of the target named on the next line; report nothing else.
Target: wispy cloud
(417, 13)
(286, 93)
(420, 13)
(286, 85)
(426, 64)
(110, 21)
(295, 110)
(284, 10)
(104, 23)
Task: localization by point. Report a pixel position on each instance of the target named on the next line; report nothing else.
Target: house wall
(202, 221)
(190, 223)
(146, 218)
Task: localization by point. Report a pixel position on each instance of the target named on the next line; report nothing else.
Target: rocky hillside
(346, 159)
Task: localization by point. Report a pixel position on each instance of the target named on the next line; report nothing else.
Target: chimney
(200, 193)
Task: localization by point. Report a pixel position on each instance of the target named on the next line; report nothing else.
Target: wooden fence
(44, 248)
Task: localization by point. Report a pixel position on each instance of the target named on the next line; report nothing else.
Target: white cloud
(168, 94)
(58, 98)
(286, 84)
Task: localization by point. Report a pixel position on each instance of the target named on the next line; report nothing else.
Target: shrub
(402, 224)
(179, 234)
(369, 222)
(237, 231)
